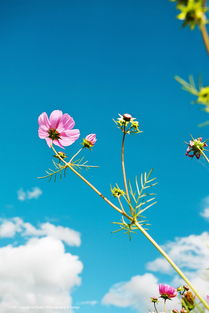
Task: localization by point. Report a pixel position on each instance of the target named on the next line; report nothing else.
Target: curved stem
(155, 307)
(123, 164)
(73, 157)
(205, 36)
(144, 232)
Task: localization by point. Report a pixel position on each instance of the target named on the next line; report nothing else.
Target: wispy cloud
(34, 193)
(205, 211)
(44, 270)
(10, 227)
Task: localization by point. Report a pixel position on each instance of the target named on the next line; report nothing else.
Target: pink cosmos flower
(167, 292)
(57, 129)
(89, 141)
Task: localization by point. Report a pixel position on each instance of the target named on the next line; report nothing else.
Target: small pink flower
(89, 141)
(195, 148)
(167, 292)
(57, 129)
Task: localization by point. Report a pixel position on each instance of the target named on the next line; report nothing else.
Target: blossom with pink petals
(89, 141)
(57, 129)
(167, 292)
(195, 148)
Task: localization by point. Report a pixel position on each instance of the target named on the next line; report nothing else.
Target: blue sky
(93, 60)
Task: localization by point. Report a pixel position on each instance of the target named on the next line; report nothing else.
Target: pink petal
(58, 143)
(91, 138)
(42, 133)
(49, 142)
(43, 120)
(74, 133)
(69, 137)
(67, 122)
(55, 118)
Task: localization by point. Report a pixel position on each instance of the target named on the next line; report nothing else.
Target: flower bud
(127, 117)
(186, 287)
(154, 300)
(89, 141)
(61, 155)
(175, 311)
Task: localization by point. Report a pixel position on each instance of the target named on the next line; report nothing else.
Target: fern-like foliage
(59, 170)
(141, 198)
(128, 228)
(189, 86)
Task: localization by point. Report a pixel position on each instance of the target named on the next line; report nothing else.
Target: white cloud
(39, 273)
(159, 265)
(205, 211)
(10, 227)
(190, 253)
(21, 195)
(34, 193)
(136, 293)
(88, 302)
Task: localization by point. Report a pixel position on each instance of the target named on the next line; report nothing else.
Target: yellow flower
(203, 95)
(117, 192)
(193, 13)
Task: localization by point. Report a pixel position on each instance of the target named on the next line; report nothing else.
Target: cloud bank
(39, 274)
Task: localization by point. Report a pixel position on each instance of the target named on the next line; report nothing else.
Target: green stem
(164, 307)
(73, 157)
(205, 36)
(123, 164)
(205, 156)
(124, 170)
(121, 205)
(203, 153)
(87, 182)
(164, 254)
(155, 307)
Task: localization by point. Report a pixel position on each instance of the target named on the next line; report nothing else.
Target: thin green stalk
(205, 156)
(121, 205)
(73, 157)
(164, 307)
(203, 153)
(144, 232)
(155, 307)
(87, 182)
(205, 36)
(123, 164)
